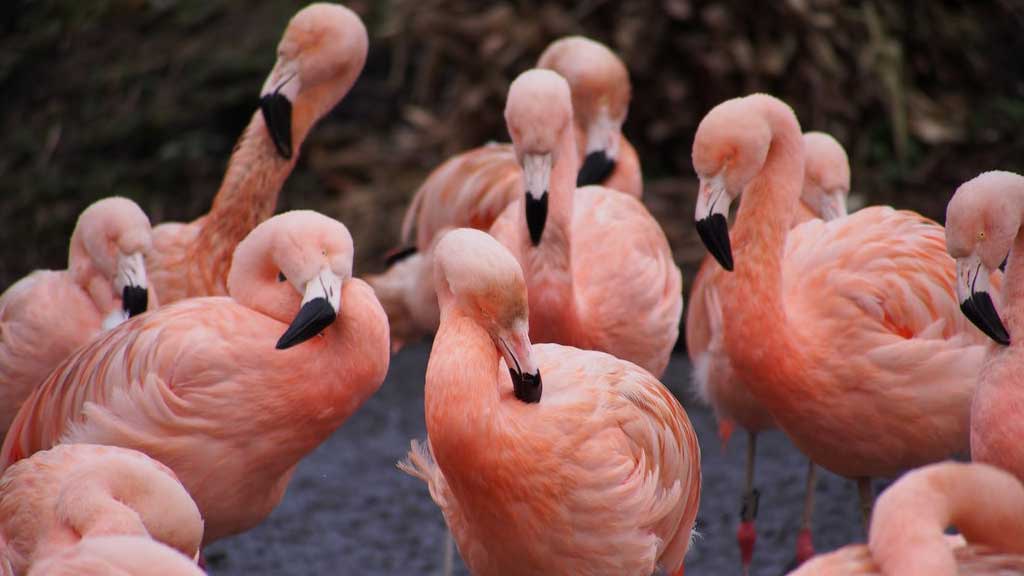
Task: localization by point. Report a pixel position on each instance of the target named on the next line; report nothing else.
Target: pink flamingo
(593, 470)
(847, 332)
(199, 386)
(825, 188)
(599, 269)
(983, 223)
(117, 556)
(473, 188)
(55, 498)
(907, 530)
(319, 58)
(48, 314)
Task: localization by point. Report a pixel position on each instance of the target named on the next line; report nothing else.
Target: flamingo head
(600, 87)
(318, 59)
(538, 114)
(479, 277)
(292, 268)
(113, 234)
(729, 149)
(826, 176)
(982, 221)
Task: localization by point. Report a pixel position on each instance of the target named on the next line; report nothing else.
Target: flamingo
(199, 386)
(825, 188)
(320, 56)
(474, 187)
(907, 531)
(983, 223)
(847, 332)
(55, 498)
(592, 469)
(599, 269)
(117, 556)
(46, 315)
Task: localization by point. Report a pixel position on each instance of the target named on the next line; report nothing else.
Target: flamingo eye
(280, 277)
(981, 235)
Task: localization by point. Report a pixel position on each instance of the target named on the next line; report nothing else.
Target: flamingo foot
(746, 537)
(804, 546)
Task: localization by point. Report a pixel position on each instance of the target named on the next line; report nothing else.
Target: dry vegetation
(145, 97)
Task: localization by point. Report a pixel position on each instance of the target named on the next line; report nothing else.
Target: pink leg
(804, 545)
(746, 535)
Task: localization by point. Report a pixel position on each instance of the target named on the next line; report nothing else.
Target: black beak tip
(134, 299)
(597, 166)
(982, 313)
(536, 216)
(527, 387)
(277, 113)
(312, 319)
(714, 233)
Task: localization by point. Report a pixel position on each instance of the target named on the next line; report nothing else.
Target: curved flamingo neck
(1013, 285)
(907, 533)
(759, 239)
(548, 266)
(462, 395)
(247, 196)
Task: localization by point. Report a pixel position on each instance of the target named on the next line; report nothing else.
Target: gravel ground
(349, 511)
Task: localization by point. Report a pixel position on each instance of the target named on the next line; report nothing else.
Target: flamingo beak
(834, 204)
(536, 177)
(972, 289)
(603, 137)
(711, 218)
(518, 353)
(276, 105)
(320, 305)
(131, 283)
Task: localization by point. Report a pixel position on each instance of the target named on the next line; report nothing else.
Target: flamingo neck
(247, 196)
(756, 313)
(907, 534)
(548, 266)
(462, 395)
(83, 272)
(1013, 288)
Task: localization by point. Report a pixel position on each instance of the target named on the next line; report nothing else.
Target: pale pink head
(116, 556)
(318, 59)
(729, 151)
(538, 114)
(982, 222)
(480, 279)
(599, 82)
(106, 257)
(292, 268)
(826, 176)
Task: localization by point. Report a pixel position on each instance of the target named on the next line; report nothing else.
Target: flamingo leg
(867, 499)
(746, 535)
(448, 559)
(804, 543)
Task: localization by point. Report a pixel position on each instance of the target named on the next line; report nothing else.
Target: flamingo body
(49, 313)
(826, 185)
(599, 475)
(200, 387)
(57, 497)
(848, 332)
(117, 556)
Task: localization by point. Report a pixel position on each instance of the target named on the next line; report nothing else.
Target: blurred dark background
(145, 98)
